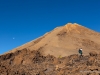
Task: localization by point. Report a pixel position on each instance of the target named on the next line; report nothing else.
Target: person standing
(80, 52)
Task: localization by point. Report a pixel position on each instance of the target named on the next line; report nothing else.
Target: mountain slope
(65, 40)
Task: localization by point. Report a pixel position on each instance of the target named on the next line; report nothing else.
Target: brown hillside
(65, 40)
(56, 53)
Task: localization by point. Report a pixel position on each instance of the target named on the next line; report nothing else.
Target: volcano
(65, 40)
(56, 53)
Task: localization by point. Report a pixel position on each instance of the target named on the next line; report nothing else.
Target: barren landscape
(56, 53)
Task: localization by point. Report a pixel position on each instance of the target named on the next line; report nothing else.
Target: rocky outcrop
(25, 62)
(93, 53)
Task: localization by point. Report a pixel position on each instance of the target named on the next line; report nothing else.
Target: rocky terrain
(56, 53)
(26, 62)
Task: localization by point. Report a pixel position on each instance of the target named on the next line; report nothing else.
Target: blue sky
(24, 20)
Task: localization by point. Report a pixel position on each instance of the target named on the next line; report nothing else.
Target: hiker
(80, 51)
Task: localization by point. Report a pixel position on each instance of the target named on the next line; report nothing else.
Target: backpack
(80, 51)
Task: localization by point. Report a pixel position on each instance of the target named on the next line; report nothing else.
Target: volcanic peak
(72, 27)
